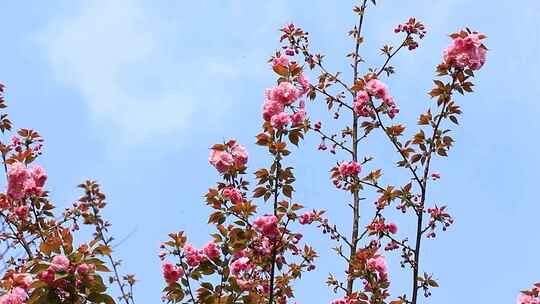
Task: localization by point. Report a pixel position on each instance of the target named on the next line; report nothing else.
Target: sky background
(132, 93)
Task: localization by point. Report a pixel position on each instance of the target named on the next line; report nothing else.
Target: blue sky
(133, 93)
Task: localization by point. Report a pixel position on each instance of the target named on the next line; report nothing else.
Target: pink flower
(525, 299)
(239, 265)
(392, 112)
(389, 101)
(47, 275)
(435, 175)
(280, 120)
(466, 52)
(171, 273)
(22, 211)
(392, 228)
(412, 27)
(240, 155)
(60, 263)
(15, 296)
(298, 117)
(221, 160)
(286, 93)
(340, 301)
(267, 225)
(377, 88)
(377, 264)
(304, 82)
(211, 250)
(18, 176)
(39, 175)
(307, 218)
(361, 104)
(194, 256)
(83, 269)
(362, 97)
(233, 194)
(281, 60)
(349, 168)
(271, 108)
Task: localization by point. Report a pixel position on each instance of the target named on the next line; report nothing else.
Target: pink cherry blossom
(280, 120)
(239, 265)
(22, 211)
(232, 194)
(83, 268)
(286, 93)
(377, 88)
(18, 177)
(271, 108)
(15, 296)
(298, 117)
(193, 255)
(361, 105)
(349, 168)
(60, 263)
(267, 225)
(307, 218)
(281, 60)
(211, 250)
(39, 175)
(377, 264)
(393, 111)
(221, 160)
(526, 299)
(304, 82)
(171, 273)
(466, 52)
(392, 228)
(239, 154)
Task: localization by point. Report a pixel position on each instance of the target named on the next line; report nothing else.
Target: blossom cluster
(284, 95)
(23, 181)
(438, 215)
(246, 249)
(17, 295)
(375, 88)
(229, 155)
(41, 263)
(466, 51)
(530, 296)
(374, 273)
(379, 227)
(344, 174)
(413, 28)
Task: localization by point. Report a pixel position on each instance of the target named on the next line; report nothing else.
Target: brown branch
(106, 241)
(420, 210)
(356, 197)
(381, 69)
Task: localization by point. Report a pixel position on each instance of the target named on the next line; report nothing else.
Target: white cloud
(120, 57)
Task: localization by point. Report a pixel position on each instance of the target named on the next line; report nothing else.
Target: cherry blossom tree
(255, 258)
(257, 254)
(43, 262)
